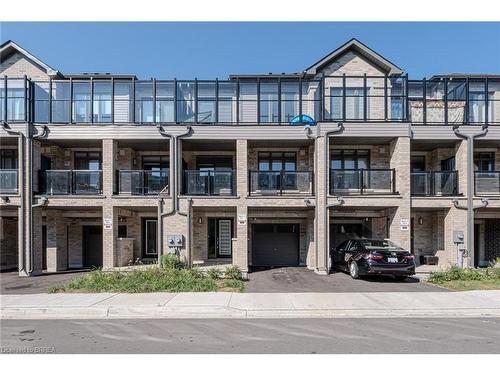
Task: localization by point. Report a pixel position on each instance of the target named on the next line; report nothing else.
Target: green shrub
(459, 274)
(214, 273)
(233, 272)
(196, 272)
(141, 281)
(171, 261)
(238, 285)
(495, 263)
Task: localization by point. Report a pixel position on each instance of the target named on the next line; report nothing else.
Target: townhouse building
(108, 170)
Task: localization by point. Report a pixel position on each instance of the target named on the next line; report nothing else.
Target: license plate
(392, 260)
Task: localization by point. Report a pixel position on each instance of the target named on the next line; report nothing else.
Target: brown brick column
(109, 216)
(399, 228)
(56, 242)
(240, 252)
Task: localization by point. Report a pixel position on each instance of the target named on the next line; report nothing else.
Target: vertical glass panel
(186, 102)
(102, 101)
(375, 101)
(206, 102)
(416, 104)
(3, 96)
(81, 101)
(434, 93)
(15, 99)
(493, 101)
(61, 101)
(248, 102)
(144, 102)
(227, 102)
(477, 101)
(165, 101)
(289, 100)
(311, 99)
(123, 103)
(41, 101)
(456, 96)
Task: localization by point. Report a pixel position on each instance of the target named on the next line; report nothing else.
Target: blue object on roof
(302, 120)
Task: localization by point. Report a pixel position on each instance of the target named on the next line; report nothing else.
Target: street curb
(224, 312)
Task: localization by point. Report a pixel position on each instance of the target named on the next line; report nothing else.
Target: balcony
(198, 182)
(434, 183)
(487, 183)
(280, 183)
(74, 182)
(362, 181)
(8, 181)
(142, 182)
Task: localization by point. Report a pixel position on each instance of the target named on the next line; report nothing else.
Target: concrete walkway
(250, 305)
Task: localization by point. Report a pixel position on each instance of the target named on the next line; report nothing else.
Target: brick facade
(434, 218)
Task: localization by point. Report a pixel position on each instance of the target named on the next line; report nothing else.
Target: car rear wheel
(354, 270)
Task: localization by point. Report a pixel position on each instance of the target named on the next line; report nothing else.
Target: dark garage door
(275, 245)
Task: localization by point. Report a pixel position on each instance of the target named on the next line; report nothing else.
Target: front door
(477, 233)
(92, 246)
(220, 234)
(149, 229)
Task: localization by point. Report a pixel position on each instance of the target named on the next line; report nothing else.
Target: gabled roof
(10, 47)
(361, 49)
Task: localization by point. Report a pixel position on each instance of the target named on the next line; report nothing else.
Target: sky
(212, 50)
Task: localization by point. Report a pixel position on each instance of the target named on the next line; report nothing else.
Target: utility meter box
(175, 240)
(458, 236)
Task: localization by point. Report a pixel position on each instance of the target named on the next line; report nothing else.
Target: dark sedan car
(362, 257)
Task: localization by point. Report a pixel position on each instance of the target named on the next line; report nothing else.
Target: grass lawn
(467, 279)
(152, 280)
(461, 285)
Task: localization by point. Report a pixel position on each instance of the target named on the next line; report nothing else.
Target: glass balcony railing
(263, 100)
(142, 182)
(8, 181)
(362, 181)
(487, 183)
(280, 183)
(434, 183)
(198, 182)
(64, 182)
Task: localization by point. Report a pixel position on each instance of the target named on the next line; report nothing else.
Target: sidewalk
(250, 305)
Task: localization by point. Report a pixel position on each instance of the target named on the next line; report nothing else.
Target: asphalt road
(254, 336)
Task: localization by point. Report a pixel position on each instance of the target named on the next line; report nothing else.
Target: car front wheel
(354, 270)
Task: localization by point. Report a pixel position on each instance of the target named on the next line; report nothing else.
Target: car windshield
(380, 245)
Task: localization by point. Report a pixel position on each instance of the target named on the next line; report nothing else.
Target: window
(350, 159)
(85, 160)
(277, 161)
(8, 159)
(484, 161)
(477, 106)
(418, 163)
(354, 103)
(15, 100)
(210, 163)
(122, 231)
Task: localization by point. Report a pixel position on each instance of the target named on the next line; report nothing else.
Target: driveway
(11, 283)
(302, 280)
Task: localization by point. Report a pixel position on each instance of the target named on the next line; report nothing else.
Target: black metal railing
(264, 100)
(142, 182)
(199, 182)
(487, 183)
(8, 181)
(362, 181)
(434, 183)
(64, 182)
(280, 182)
